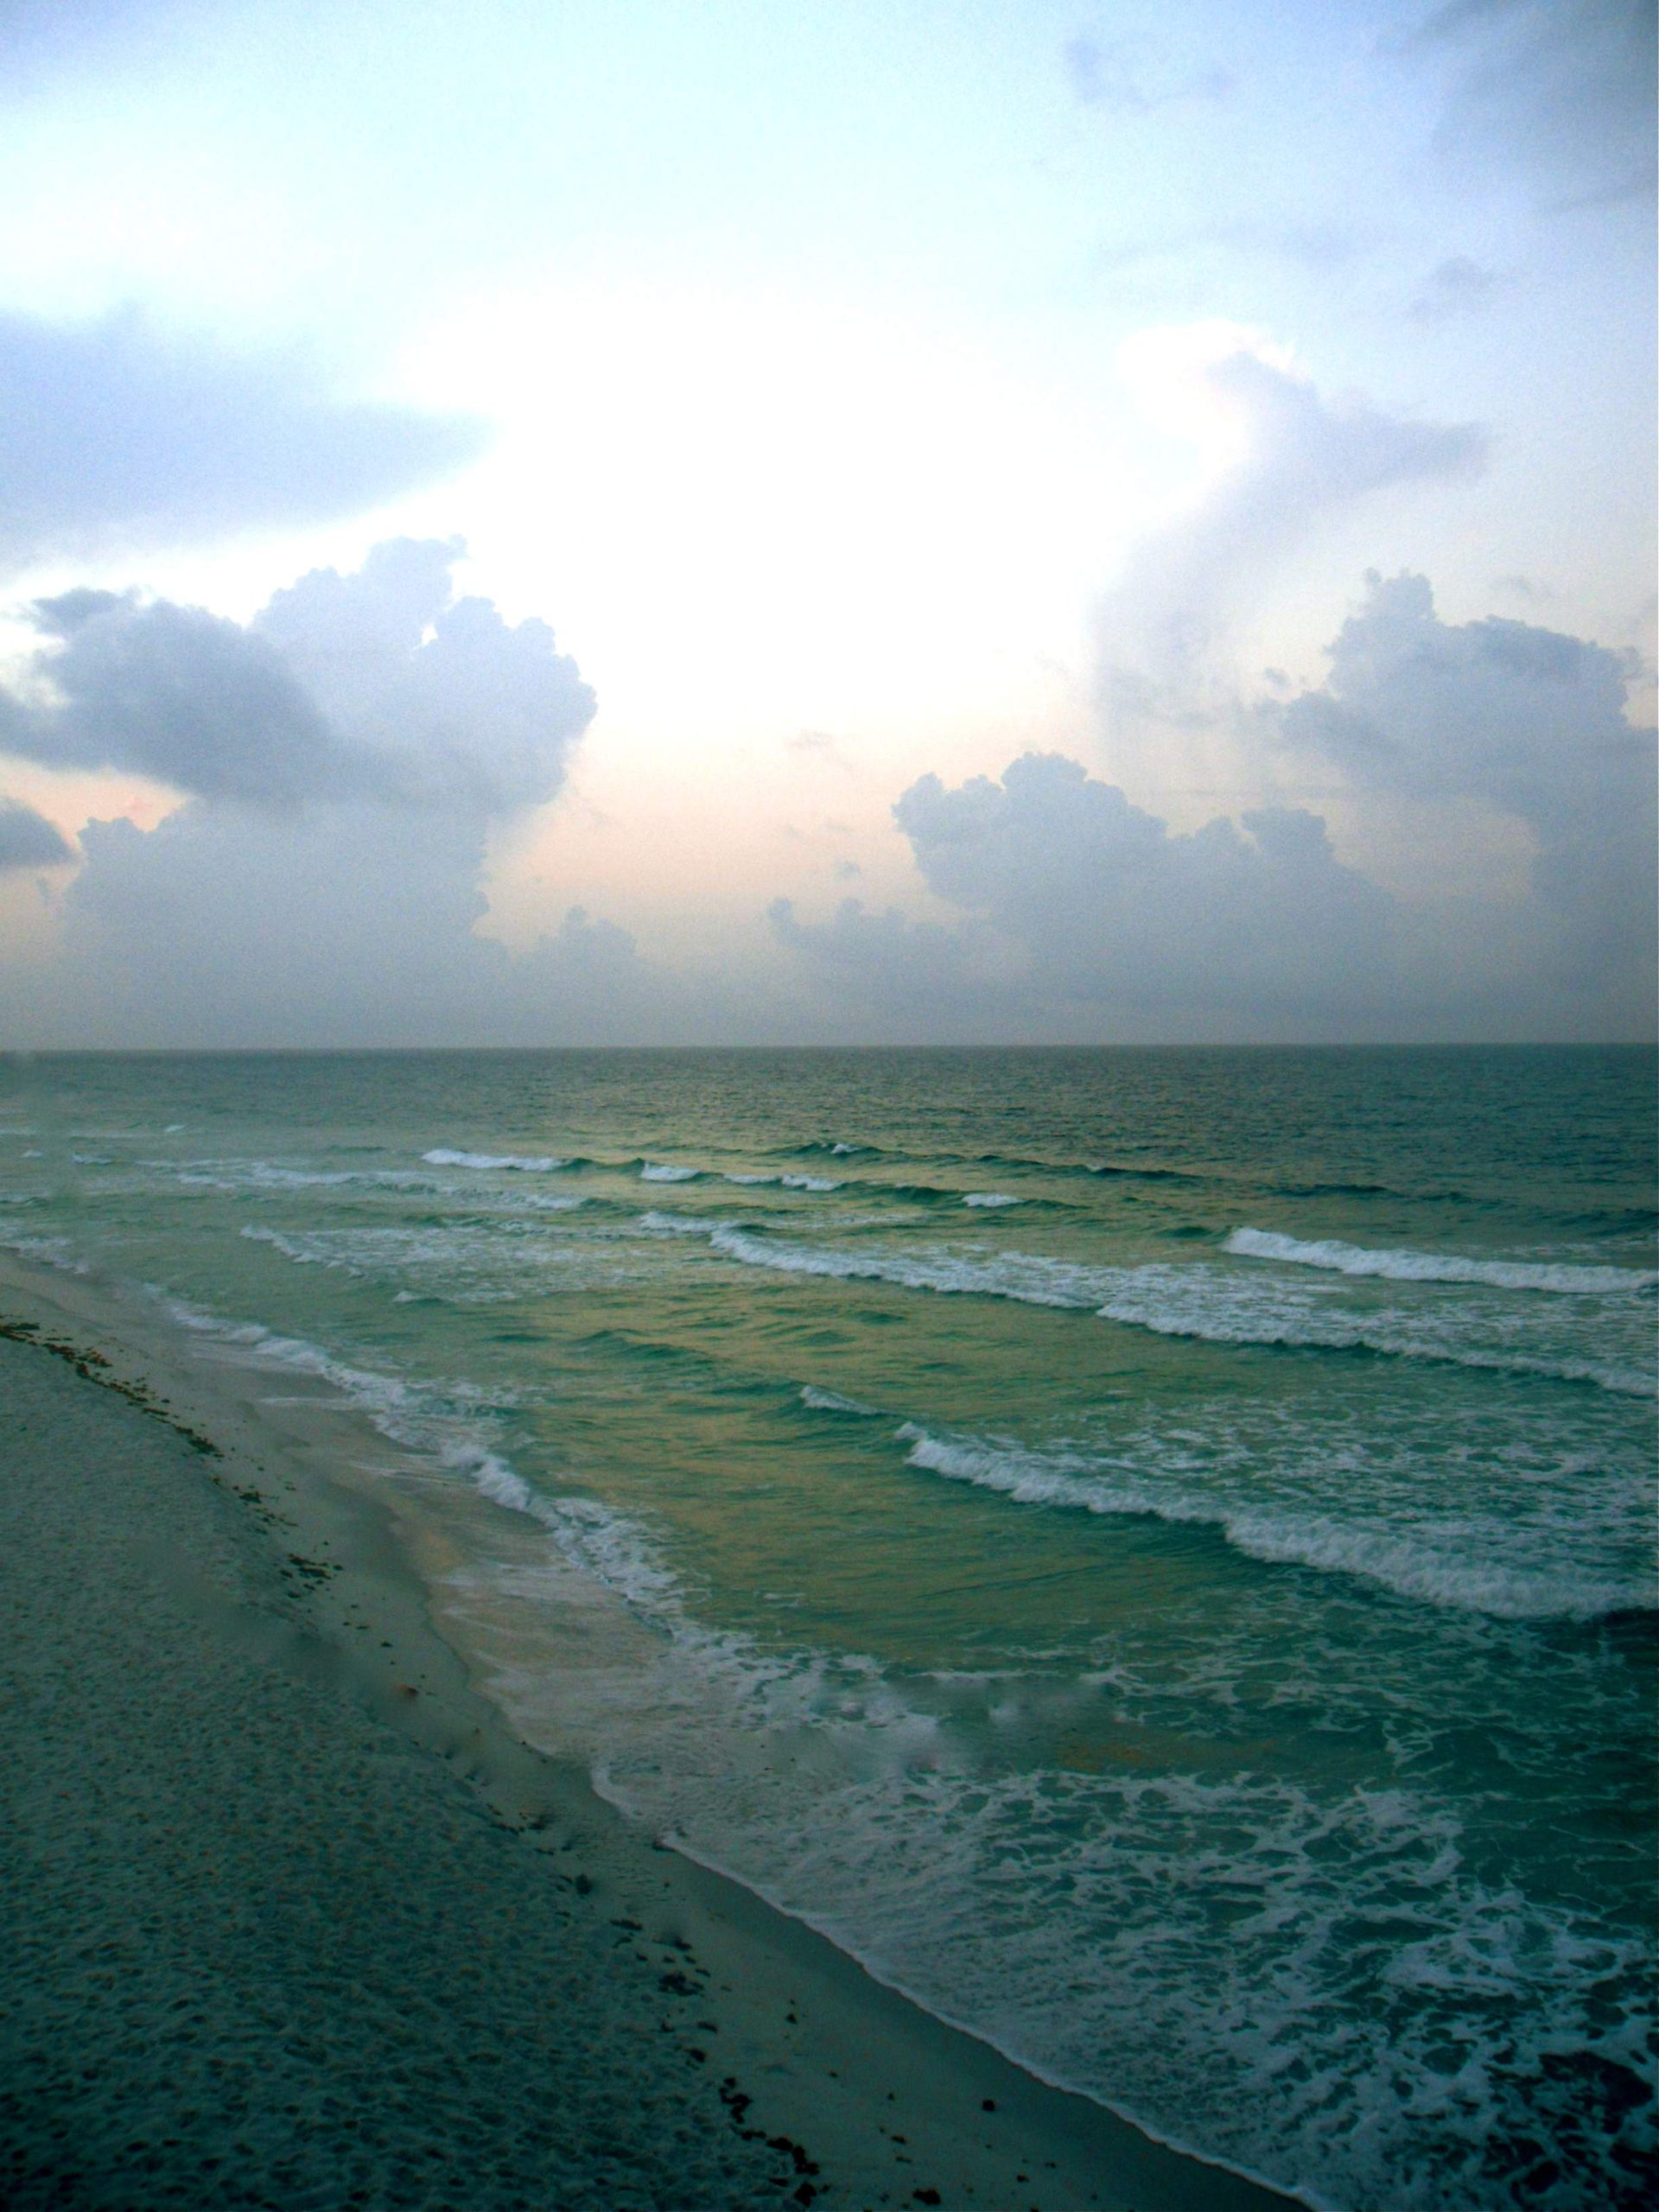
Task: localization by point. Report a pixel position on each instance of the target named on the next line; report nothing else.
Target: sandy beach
(292, 1919)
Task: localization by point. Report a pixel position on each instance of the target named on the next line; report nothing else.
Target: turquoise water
(1153, 1550)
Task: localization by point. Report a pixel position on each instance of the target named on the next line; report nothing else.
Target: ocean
(1152, 1551)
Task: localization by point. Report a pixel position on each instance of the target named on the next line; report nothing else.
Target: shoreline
(844, 2088)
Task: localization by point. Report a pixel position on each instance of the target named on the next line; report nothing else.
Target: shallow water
(1153, 1550)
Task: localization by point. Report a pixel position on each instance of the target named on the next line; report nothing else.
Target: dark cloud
(113, 435)
(1563, 91)
(379, 684)
(28, 840)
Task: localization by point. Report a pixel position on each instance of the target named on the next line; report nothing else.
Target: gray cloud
(883, 963)
(344, 924)
(447, 700)
(1129, 77)
(345, 754)
(1455, 287)
(39, 35)
(28, 840)
(1560, 90)
(379, 685)
(1529, 721)
(1109, 905)
(1306, 459)
(113, 435)
(1081, 914)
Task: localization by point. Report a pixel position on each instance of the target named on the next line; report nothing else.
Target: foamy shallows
(1197, 1633)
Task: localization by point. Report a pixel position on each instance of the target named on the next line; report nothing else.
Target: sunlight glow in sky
(864, 395)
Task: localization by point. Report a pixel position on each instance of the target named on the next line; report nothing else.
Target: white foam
(654, 1171)
(50, 1252)
(787, 1182)
(1026, 1278)
(990, 1199)
(1437, 1266)
(832, 1402)
(1206, 1951)
(1412, 1564)
(1204, 1302)
(309, 1253)
(518, 1162)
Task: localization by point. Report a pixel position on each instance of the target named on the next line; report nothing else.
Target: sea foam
(515, 1162)
(1459, 1570)
(1438, 1266)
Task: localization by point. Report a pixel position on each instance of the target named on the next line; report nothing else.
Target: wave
(1193, 1301)
(990, 1199)
(832, 1402)
(787, 1182)
(1437, 1266)
(1199, 1303)
(655, 1171)
(517, 1162)
(1406, 1564)
(1028, 1280)
(1196, 1948)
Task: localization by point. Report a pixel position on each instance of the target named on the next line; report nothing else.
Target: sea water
(1152, 1551)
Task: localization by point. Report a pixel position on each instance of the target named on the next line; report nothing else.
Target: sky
(636, 522)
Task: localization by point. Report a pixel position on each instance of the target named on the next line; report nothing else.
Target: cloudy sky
(825, 520)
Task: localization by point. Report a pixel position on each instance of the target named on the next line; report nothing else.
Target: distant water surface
(1151, 1550)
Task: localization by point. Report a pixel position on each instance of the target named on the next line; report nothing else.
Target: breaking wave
(1437, 1266)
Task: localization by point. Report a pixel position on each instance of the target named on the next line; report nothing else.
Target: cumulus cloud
(114, 434)
(1109, 905)
(1531, 722)
(1077, 913)
(1290, 456)
(340, 923)
(28, 840)
(344, 756)
(379, 684)
(883, 963)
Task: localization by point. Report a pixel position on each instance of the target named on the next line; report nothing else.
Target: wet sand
(290, 1917)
